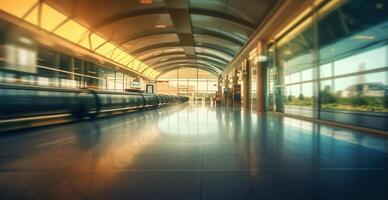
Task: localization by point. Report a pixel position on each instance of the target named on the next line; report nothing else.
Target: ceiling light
(160, 26)
(261, 58)
(25, 40)
(146, 2)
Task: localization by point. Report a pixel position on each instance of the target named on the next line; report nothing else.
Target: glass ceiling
(49, 19)
(137, 36)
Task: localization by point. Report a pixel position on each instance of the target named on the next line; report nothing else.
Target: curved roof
(168, 34)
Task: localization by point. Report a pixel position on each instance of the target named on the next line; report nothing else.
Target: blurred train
(25, 103)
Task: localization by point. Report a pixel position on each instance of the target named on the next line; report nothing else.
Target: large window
(55, 69)
(353, 64)
(195, 83)
(363, 87)
(334, 65)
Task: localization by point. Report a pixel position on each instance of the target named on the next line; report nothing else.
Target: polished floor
(193, 152)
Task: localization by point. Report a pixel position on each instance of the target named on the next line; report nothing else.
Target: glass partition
(333, 65)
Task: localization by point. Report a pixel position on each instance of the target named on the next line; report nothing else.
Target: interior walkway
(193, 152)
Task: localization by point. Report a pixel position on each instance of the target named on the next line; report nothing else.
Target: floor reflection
(192, 152)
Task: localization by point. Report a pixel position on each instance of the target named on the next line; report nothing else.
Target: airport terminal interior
(194, 99)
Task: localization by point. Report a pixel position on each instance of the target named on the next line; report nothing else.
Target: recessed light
(160, 26)
(379, 6)
(147, 2)
(25, 40)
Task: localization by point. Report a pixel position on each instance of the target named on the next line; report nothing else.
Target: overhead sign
(135, 84)
(162, 81)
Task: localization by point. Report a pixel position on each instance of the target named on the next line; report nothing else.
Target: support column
(261, 78)
(217, 100)
(226, 94)
(236, 98)
(245, 84)
(57, 80)
(71, 68)
(260, 87)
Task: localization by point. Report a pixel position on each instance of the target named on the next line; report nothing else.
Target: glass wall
(181, 82)
(55, 69)
(333, 65)
(295, 58)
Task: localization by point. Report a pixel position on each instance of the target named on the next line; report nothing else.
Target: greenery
(300, 101)
(355, 108)
(361, 103)
(330, 101)
(327, 96)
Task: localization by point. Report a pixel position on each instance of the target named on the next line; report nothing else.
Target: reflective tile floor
(193, 152)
